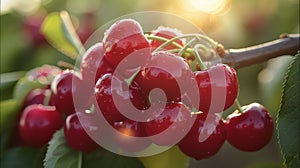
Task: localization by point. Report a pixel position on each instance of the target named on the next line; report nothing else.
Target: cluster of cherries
(127, 66)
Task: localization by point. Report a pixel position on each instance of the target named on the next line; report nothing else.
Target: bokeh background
(234, 23)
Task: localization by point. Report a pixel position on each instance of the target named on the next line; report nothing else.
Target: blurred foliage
(245, 23)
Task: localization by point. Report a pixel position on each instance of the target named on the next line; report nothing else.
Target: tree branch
(287, 44)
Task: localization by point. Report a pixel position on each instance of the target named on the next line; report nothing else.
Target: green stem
(152, 37)
(185, 47)
(47, 98)
(210, 41)
(130, 79)
(79, 160)
(238, 105)
(200, 62)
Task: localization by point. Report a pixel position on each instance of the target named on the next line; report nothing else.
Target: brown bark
(287, 44)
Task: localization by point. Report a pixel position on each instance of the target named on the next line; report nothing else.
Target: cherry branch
(287, 44)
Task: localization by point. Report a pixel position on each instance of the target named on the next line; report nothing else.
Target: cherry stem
(65, 65)
(182, 51)
(79, 159)
(47, 98)
(130, 79)
(238, 105)
(210, 41)
(152, 37)
(198, 57)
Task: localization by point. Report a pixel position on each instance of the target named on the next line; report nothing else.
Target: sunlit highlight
(209, 6)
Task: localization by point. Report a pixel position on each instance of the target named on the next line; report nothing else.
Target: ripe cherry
(38, 124)
(94, 65)
(63, 87)
(250, 130)
(167, 33)
(205, 138)
(75, 133)
(129, 129)
(32, 28)
(167, 72)
(174, 120)
(124, 38)
(103, 94)
(37, 96)
(218, 88)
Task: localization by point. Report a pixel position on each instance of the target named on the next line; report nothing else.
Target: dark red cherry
(103, 94)
(174, 121)
(37, 96)
(93, 65)
(63, 87)
(167, 33)
(38, 124)
(218, 88)
(250, 130)
(167, 72)
(32, 28)
(128, 129)
(125, 37)
(76, 136)
(205, 138)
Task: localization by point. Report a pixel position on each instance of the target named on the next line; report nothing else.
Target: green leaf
(171, 158)
(24, 86)
(59, 154)
(9, 112)
(60, 33)
(24, 157)
(104, 158)
(288, 116)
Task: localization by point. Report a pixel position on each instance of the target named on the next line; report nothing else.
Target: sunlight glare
(209, 6)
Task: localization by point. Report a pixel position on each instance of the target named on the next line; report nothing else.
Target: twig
(287, 44)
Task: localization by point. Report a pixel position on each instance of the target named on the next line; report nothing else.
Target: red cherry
(37, 96)
(174, 115)
(124, 38)
(250, 130)
(205, 138)
(103, 94)
(167, 33)
(63, 87)
(32, 27)
(128, 129)
(94, 65)
(218, 88)
(75, 133)
(38, 124)
(167, 72)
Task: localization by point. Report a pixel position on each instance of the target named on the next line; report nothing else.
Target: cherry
(167, 72)
(63, 87)
(38, 123)
(205, 138)
(87, 26)
(36, 96)
(250, 130)
(123, 38)
(94, 65)
(167, 33)
(129, 128)
(75, 133)
(103, 94)
(212, 86)
(175, 115)
(32, 28)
